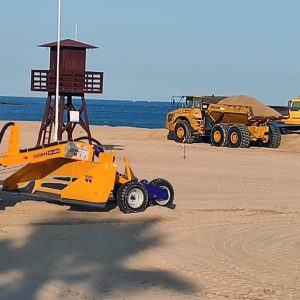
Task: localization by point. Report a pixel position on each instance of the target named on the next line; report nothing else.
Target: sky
(151, 50)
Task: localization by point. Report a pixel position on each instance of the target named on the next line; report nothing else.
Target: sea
(132, 113)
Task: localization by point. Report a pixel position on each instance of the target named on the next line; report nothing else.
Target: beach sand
(234, 234)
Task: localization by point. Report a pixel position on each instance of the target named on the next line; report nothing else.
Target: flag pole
(57, 72)
(76, 31)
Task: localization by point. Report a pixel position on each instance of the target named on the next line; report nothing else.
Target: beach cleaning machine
(79, 172)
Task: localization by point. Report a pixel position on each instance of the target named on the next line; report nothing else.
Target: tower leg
(84, 122)
(83, 118)
(64, 125)
(45, 131)
(61, 113)
(70, 127)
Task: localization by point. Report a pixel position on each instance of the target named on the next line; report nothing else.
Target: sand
(234, 234)
(258, 108)
(290, 143)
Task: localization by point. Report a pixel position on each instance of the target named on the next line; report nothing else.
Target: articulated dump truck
(226, 125)
(79, 173)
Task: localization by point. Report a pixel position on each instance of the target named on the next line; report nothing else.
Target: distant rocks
(9, 103)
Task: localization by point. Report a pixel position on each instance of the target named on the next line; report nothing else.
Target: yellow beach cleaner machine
(79, 172)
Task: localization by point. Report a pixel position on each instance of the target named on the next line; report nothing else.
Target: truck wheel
(170, 135)
(218, 135)
(132, 197)
(183, 132)
(274, 138)
(162, 183)
(238, 136)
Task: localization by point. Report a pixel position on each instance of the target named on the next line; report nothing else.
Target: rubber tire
(123, 194)
(223, 129)
(166, 184)
(187, 132)
(171, 135)
(274, 138)
(117, 187)
(115, 191)
(243, 134)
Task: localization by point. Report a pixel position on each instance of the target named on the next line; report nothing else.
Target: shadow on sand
(113, 147)
(8, 199)
(76, 258)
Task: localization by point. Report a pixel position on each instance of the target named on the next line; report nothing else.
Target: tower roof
(69, 44)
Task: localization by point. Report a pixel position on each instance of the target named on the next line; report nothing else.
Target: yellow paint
(68, 175)
(180, 132)
(217, 136)
(14, 140)
(258, 132)
(294, 112)
(234, 137)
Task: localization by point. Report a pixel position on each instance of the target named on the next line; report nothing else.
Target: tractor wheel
(183, 132)
(218, 135)
(164, 184)
(274, 138)
(117, 187)
(132, 197)
(238, 136)
(115, 191)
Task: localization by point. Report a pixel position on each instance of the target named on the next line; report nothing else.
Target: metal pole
(76, 31)
(57, 72)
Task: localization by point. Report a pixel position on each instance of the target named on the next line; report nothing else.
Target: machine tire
(127, 192)
(171, 135)
(274, 138)
(183, 132)
(117, 187)
(219, 135)
(163, 183)
(115, 191)
(238, 136)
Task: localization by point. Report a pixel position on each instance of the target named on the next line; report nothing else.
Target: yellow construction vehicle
(77, 172)
(225, 125)
(291, 116)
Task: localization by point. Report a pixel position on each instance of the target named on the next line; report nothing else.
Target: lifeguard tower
(74, 81)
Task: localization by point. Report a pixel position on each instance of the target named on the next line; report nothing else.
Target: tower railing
(87, 82)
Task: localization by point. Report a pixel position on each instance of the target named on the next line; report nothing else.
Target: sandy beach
(234, 233)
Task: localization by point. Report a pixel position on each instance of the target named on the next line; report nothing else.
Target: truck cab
(186, 122)
(294, 111)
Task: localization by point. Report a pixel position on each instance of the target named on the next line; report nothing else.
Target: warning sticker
(82, 153)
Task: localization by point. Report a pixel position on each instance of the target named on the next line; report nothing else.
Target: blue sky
(154, 49)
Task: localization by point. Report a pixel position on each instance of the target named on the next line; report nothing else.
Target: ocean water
(140, 114)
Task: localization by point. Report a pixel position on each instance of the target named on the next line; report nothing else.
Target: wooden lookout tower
(74, 81)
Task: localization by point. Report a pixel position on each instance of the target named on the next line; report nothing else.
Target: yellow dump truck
(291, 116)
(200, 117)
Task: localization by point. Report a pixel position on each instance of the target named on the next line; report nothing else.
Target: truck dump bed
(235, 114)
